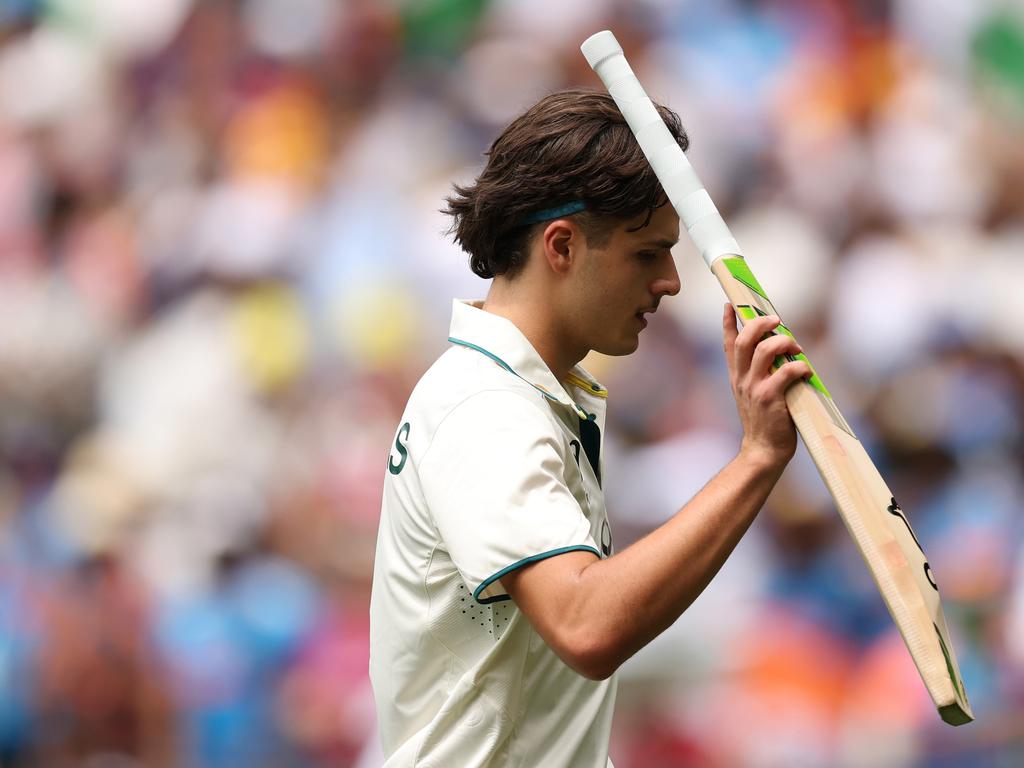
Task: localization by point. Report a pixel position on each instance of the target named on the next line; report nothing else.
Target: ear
(560, 242)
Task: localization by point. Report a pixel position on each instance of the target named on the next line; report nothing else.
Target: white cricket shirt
(495, 465)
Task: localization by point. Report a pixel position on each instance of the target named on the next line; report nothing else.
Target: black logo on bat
(894, 509)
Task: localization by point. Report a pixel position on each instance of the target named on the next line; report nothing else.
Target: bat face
(872, 515)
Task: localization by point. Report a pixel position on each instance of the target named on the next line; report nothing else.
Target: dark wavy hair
(573, 145)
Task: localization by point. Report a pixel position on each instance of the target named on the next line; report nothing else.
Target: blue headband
(548, 214)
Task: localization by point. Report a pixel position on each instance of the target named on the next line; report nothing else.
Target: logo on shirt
(606, 539)
(403, 435)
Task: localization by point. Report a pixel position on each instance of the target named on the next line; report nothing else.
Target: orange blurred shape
(281, 134)
(885, 686)
(875, 66)
(825, 90)
(792, 655)
(783, 701)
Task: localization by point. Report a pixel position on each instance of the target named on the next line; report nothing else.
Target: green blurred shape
(440, 28)
(998, 52)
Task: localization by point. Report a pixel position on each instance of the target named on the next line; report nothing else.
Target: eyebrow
(660, 243)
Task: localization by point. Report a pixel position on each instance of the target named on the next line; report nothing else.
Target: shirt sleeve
(493, 479)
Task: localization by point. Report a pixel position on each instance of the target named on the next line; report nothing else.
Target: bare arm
(597, 613)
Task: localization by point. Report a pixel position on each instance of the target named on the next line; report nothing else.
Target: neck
(531, 312)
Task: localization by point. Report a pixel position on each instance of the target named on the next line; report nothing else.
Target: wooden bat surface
(874, 519)
(868, 508)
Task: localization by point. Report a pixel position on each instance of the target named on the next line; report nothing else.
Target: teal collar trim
(491, 355)
(580, 411)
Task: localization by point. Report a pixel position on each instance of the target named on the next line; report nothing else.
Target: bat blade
(874, 519)
(871, 513)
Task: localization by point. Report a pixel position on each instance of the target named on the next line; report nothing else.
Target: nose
(668, 283)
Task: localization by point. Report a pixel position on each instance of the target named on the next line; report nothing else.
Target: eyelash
(647, 255)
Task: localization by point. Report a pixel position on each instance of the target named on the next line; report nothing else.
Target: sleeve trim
(519, 564)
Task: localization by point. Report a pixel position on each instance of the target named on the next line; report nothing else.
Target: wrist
(764, 459)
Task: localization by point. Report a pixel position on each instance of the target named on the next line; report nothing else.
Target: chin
(620, 348)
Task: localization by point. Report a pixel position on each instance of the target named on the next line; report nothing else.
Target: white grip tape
(615, 68)
(669, 162)
(626, 89)
(713, 239)
(695, 207)
(681, 188)
(706, 226)
(654, 136)
(685, 191)
(600, 46)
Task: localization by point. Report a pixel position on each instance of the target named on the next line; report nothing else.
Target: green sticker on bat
(747, 312)
(957, 682)
(738, 268)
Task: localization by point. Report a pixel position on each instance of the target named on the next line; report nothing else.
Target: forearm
(625, 601)
(598, 613)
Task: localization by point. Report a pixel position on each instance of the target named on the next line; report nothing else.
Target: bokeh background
(222, 270)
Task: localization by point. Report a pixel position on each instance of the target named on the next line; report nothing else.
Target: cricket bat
(869, 509)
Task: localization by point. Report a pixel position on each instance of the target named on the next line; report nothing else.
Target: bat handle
(678, 178)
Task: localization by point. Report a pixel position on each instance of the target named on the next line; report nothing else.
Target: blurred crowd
(222, 269)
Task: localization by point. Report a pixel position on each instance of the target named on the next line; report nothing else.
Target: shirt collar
(499, 339)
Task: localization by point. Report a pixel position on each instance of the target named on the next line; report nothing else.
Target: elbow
(597, 671)
(593, 658)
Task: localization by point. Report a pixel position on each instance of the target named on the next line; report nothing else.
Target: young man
(500, 610)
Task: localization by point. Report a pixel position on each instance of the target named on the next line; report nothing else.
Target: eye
(647, 255)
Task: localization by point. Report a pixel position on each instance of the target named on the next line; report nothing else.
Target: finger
(754, 330)
(769, 350)
(788, 375)
(729, 330)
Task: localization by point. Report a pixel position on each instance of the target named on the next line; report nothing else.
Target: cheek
(605, 296)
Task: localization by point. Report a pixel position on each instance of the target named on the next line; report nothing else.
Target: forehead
(662, 230)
